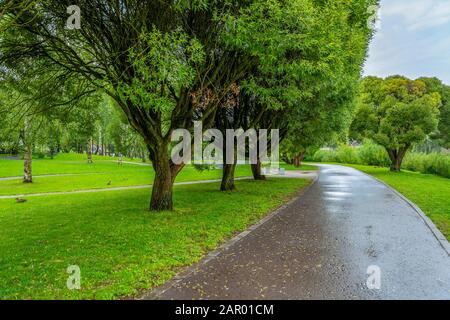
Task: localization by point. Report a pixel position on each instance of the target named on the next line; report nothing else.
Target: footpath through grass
(303, 167)
(430, 192)
(99, 175)
(120, 247)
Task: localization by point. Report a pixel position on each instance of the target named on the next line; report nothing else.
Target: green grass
(14, 168)
(119, 245)
(430, 192)
(101, 174)
(303, 167)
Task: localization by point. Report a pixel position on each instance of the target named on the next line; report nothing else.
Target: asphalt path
(347, 237)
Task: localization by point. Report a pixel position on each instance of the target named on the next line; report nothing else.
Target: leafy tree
(443, 134)
(396, 113)
(163, 62)
(305, 64)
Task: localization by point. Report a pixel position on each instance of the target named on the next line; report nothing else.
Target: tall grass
(436, 163)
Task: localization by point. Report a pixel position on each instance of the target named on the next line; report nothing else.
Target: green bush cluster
(374, 155)
(343, 154)
(435, 163)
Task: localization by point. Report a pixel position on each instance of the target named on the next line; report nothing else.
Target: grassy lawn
(430, 192)
(119, 246)
(101, 174)
(14, 168)
(303, 167)
(70, 164)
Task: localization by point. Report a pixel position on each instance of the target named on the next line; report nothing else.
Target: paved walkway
(320, 247)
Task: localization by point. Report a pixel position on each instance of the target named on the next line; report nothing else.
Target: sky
(413, 39)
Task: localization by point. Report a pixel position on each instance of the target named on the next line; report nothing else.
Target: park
(219, 150)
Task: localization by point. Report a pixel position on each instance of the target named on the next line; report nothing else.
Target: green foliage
(434, 163)
(373, 154)
(443, 133)
(305, 67)
(395, 112)
(343, 154)
(164, 64)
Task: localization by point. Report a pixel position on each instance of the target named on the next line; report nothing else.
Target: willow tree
(326, 109)
(310, 55)
(163, 62)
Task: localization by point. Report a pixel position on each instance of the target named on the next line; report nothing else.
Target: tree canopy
(396, 113)
(166, 64)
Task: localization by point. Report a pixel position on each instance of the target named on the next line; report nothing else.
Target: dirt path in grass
(300, 175)
(347, 237)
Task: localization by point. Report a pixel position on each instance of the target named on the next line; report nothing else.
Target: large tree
(310, 57)
(163, 62)
(396, 113)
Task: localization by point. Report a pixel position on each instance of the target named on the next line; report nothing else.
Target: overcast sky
(413, 40)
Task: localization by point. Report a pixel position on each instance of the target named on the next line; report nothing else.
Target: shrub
(434, 163)
(347, 154)
(344, 154)
(325, 156)
(373, 154)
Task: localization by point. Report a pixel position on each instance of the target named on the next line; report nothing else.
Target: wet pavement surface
(322, 245)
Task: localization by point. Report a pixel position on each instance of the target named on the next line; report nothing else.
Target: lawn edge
(428, 222)
(155, 293)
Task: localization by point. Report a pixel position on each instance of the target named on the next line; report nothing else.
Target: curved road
(320, 247)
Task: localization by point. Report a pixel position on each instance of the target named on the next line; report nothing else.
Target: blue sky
(413, 39)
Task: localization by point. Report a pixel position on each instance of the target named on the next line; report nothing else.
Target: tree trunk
(256, 170)
(27, 164)
(162, 190)
(298, 159)
(89, 152)
(165, 175)
(228, 170)
(396, 157)
(228, 178)
(28, 152)
(296, 162)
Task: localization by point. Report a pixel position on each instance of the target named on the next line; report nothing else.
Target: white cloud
(414, 40)
(417, 14)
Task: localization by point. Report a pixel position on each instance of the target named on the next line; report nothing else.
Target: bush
(344, 154)
(373, 154)
(324, 156)
(347, 154)
(433, 163)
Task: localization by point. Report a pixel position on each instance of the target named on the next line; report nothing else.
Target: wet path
(320, 247)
